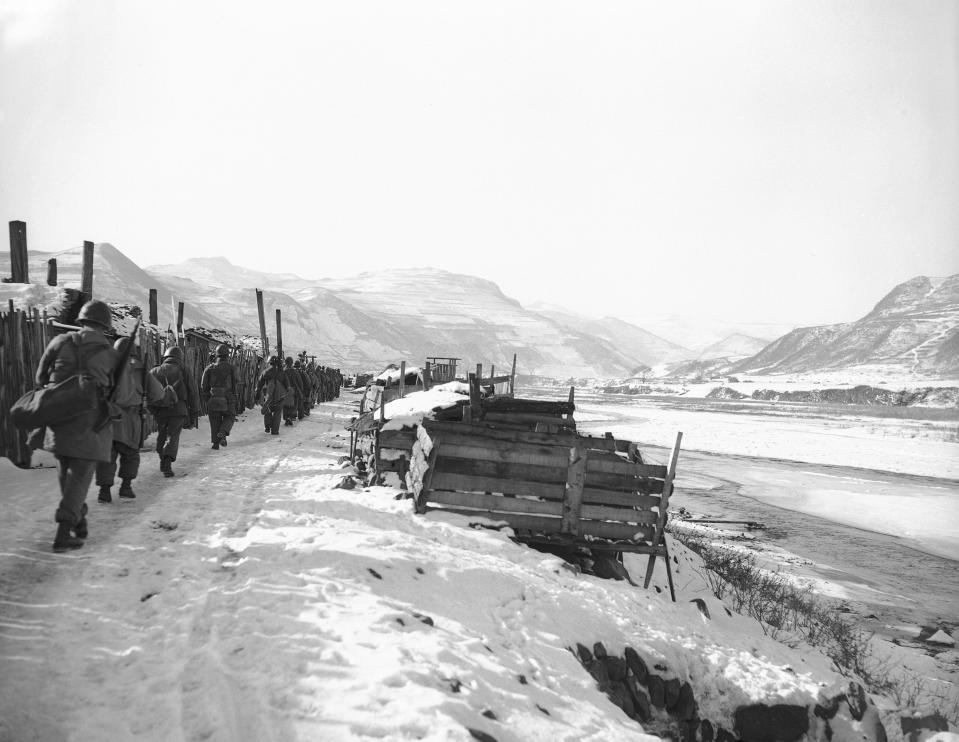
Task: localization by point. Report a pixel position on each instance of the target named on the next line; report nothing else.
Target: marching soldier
(218, 387)
(172, 418)
(77, 445)
(135, 389)
(271, 389)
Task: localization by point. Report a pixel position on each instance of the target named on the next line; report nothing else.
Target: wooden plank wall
(24, 335)
(556, 485)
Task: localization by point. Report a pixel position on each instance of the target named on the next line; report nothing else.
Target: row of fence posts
(24, 335)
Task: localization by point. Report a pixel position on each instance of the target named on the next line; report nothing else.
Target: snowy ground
(250, 598)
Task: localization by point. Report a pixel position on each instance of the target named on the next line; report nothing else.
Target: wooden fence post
(264, 340)
(154, 313)
(402, 379)
(426, 377)
(179, 322)
(86, 271)
(19, 271)
(52, 272)
(512, 378)
(279, 335)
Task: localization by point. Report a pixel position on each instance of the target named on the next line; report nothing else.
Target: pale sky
(775, 161)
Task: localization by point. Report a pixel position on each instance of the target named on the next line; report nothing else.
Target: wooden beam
(512, 378)
(575, 481)
(426, 377)
(179, 319)
(264, 340)
(52, 272)
(402, 379)
(86, 271)
(154, 312)
(279, 334)
(19, 270)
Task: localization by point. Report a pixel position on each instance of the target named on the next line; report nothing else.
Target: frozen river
(867, 507)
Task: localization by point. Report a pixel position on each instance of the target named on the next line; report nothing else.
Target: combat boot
(104, 495)
(81, 529)
(166, 466)
(126, 491)
(64, 541)
(223, 439)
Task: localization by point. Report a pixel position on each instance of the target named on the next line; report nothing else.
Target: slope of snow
(250, 598)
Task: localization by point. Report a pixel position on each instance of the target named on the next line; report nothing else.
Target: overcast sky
(787, 162)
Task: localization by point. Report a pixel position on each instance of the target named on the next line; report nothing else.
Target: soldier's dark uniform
(173, 419)
(218, 387)
(74, 442)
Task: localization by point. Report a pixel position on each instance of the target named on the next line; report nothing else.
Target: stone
(701, 605)
(641, 705)
(598, 670)
(585, 656)
(616, 668)
(857, 701)
(619, 695)
(915, 727)
(828, 709)
(599, 651)
(942, 638)
(671, 693)
(657, 691)
(480, 735)
(777, 723)
(686, 706)
(636, 665)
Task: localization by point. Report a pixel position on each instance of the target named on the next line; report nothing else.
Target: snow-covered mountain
(357, 323)
(633, 341)
(734, 347)
(914, 328)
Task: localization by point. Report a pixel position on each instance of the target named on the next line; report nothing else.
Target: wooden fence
(24, 335)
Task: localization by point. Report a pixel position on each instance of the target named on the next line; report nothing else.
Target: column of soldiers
(105, 442)
(289, 389)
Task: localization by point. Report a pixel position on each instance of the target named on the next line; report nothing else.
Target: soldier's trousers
(75, 476)
(220, 423)
(168, 435)
(272, 418)
(129, 464)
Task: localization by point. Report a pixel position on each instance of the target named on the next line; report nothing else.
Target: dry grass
(790, 613)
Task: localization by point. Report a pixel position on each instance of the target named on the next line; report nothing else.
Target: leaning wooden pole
(154, 312)
(18, 252)
(179, 321)
(86, 271)
(264, 340)
(279, 334)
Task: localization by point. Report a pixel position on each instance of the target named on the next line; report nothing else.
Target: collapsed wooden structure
(522, 462)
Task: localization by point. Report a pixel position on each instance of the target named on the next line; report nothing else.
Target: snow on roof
(411, 409)
(392, 373)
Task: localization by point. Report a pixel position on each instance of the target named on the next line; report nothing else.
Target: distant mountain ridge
(374, 318)
(914, 328)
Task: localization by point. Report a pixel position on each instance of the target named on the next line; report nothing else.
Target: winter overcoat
(129, 397)
(75, 438)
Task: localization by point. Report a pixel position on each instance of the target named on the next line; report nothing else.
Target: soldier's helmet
(289, 360)
(174, 352)
(274, 361)
(297, 364)
(222, 351)
(95, 312)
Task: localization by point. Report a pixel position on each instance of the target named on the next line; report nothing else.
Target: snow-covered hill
(733, 347)
(914, 328)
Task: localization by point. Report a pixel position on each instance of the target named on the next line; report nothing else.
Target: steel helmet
(96, 312)
(174, 352)
(222, 350)
(289, 360)
(274, 361)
